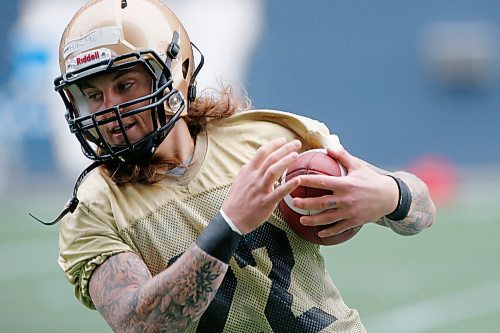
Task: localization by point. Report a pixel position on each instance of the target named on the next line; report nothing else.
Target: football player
(174, 227)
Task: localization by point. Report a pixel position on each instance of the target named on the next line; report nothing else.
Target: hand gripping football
(312, 162)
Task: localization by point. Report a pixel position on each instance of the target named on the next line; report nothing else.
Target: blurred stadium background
(410, 84)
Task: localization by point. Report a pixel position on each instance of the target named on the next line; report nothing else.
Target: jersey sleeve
(88, 236)
(310, 131)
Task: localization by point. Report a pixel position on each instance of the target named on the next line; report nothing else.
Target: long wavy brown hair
(216, 106)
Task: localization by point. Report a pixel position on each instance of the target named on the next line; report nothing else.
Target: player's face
(107, 90)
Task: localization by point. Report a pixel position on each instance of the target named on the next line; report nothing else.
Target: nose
(110, 99)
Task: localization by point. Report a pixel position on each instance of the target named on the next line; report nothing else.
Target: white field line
(439, 311)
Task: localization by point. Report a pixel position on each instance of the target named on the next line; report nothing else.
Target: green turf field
(447, 279)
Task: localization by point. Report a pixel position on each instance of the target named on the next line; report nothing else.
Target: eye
(92, 95)
(125, 86)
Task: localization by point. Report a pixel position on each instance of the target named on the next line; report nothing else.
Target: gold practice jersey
(276, 282)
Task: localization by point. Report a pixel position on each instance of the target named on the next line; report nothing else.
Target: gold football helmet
(106, 36)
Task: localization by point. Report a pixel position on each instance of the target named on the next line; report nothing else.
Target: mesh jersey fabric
(276, 281)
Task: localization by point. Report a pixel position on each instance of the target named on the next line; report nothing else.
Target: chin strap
(73, 202)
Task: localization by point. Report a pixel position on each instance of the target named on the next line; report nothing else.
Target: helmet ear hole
(185, 68)
(192, 86)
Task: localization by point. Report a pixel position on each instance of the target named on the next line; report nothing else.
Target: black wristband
(404, 201)
(218, 239)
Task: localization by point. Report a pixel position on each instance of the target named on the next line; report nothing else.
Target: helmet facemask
(90, 126)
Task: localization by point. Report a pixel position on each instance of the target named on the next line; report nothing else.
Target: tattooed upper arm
(131, 300)
(114, 284)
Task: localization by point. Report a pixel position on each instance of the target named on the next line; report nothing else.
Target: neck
(178, 144)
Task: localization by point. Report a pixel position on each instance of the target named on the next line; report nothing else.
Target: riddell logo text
(88, 57)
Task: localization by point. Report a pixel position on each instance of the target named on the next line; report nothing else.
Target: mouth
(117, 136)
(117, 130)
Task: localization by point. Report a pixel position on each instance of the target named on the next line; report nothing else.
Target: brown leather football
(312, 162)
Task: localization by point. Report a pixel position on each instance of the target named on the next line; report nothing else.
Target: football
(312, 162)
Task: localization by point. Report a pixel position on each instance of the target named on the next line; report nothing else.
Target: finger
(337, 229)
(344, 158)
(275, 171)
(322, 181)
(324, 218)
(277, 162)
(316, 203)
(265, 150)
(283, 190)
(280, 153)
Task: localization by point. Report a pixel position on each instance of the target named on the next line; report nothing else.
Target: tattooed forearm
(422, 211)
(130, 300)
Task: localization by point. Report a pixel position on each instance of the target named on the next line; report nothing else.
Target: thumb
(343, 157)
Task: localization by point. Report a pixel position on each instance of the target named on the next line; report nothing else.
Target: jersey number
(278, 310)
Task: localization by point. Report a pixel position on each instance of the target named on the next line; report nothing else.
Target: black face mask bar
(87, 127)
